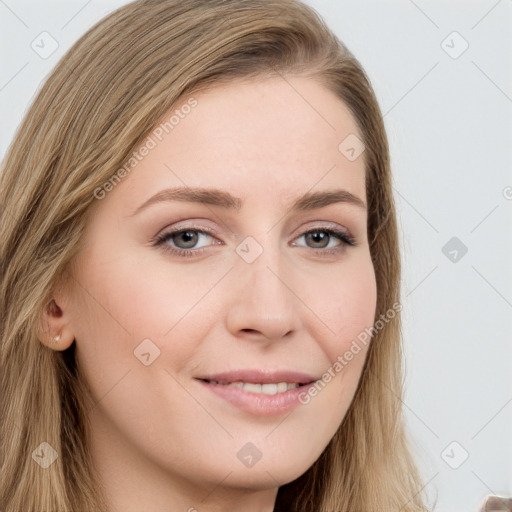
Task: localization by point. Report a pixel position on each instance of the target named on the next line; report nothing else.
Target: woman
(201, 273)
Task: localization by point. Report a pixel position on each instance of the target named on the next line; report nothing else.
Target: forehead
(254, 138)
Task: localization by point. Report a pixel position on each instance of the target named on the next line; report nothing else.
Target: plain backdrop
(442, 72)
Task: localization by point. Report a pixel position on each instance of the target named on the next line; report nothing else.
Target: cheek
(147, 299)
(349, 308)
(132, 301)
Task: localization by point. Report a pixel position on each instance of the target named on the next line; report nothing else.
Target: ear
(54, 328)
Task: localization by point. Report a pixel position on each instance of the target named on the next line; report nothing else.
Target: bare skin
(162, 439)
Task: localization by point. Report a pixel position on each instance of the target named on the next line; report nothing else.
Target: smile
(258, 392)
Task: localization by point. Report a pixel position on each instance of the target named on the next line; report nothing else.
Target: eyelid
(178, 228)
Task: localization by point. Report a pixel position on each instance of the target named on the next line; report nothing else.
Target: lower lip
(259, 404)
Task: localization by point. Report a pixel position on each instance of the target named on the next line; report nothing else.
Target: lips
(259, 392)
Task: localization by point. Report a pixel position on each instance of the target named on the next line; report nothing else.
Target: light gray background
(448, 116)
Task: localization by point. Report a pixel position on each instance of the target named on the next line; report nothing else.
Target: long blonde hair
(95, 108)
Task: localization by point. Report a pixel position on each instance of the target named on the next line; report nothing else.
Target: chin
(266, 477)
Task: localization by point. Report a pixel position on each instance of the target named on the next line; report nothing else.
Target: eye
(184, 242)
(327, 240)
(192, 242)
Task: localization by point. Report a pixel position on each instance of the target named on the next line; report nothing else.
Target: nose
(263, 306)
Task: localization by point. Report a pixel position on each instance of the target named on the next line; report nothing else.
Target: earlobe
(54, 330)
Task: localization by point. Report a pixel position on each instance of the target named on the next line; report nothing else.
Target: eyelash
(160, 241)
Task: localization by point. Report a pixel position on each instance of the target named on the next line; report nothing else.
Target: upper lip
(258, 376)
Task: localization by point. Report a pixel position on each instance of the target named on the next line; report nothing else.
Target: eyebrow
(215, 197)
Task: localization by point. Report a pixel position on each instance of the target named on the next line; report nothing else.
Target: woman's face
(240, 293)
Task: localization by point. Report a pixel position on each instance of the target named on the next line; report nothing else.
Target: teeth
(265, 389)
(269, 389)
(253, 388)
(283, 386)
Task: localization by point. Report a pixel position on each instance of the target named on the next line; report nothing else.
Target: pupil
(189, 238)
(319, 237)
